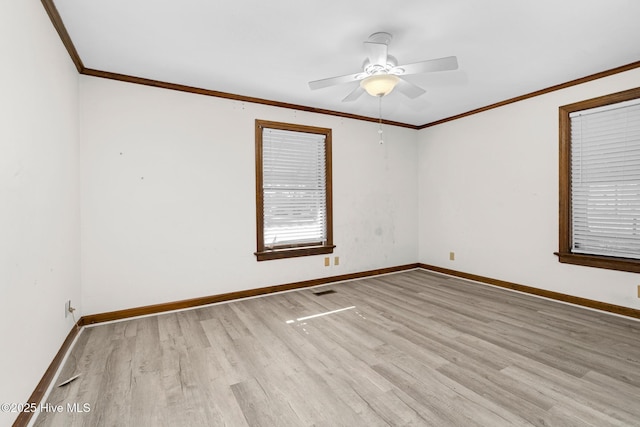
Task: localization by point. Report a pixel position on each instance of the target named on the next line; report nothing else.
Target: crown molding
(575, 82)
(56, 20)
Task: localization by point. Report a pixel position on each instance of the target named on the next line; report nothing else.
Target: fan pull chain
(380, 121)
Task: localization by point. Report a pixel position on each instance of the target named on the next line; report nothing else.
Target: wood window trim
(564, 253)
(291, 251)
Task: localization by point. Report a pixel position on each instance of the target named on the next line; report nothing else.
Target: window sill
(598, 261)
(293, 252)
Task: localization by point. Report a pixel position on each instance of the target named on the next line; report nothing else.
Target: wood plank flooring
(408, 349)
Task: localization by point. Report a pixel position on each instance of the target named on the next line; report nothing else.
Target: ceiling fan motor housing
(371, 69)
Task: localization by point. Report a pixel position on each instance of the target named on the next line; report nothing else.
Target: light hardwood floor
(417, 348)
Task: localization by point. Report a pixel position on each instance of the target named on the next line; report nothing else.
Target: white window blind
(294, 188)
(605, 180)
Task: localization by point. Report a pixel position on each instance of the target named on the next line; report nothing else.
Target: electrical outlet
(327, 261)
(452, 256)
(638, 291)
(67, 308)
(336, 260)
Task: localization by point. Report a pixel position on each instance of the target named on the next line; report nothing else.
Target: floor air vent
(328, 291)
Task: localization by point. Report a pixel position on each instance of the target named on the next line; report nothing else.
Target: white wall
(488, 191)
(39, 197)
(168, 196)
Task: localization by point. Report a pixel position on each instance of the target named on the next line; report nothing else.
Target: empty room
(320, 213)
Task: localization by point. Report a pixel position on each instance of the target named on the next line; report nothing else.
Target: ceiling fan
(381, 73)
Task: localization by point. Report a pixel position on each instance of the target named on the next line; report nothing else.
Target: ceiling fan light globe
(379, 84)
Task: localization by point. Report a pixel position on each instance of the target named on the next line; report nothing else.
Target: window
(293, 190)
(600, 182)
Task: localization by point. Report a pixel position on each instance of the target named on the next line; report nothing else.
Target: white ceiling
(272, 49)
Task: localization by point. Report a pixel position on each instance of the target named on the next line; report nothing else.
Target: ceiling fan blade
(332, 81)
(377, 53)
(409, 89)
(441, 64)
(355, 94)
